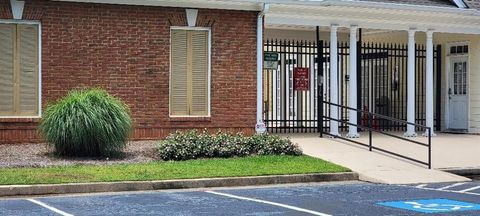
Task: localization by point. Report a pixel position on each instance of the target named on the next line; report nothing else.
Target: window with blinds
(189, 72)
(18, 70)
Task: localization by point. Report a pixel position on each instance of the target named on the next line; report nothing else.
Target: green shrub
(87, 123)
(273, 145)
(193, 144)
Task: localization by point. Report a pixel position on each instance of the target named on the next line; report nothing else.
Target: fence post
(319, 83)
(438, 101)
(369, 131)
(359, 76)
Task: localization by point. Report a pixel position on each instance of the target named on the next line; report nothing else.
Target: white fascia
(247, 5)
(253, 4)
(367, 4)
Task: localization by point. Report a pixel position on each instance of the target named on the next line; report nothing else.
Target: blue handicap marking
(433, 205)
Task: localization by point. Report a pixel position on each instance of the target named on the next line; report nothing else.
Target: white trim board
(257, 4)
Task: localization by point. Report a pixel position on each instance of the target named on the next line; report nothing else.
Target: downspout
(260, 126)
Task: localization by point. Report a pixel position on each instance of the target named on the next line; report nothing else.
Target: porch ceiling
(308, 16)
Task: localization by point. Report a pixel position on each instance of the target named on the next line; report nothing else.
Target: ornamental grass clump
(88, 123)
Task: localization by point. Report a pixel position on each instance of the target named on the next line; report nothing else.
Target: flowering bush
(193, 144)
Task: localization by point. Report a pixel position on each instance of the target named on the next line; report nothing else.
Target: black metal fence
(382, 84)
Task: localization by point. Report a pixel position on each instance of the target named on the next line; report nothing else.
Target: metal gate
(382, 87)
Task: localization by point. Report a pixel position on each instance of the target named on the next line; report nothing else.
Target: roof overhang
(250, 5)
(310, 13)
(464, 21)
(254, 4)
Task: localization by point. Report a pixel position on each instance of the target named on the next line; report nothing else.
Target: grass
(205, 168)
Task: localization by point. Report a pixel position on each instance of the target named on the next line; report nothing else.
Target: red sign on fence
(301, 81)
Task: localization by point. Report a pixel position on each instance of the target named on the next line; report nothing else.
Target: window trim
(209, 73)
(39, 38)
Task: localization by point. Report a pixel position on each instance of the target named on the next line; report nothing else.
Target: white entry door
(457, 93)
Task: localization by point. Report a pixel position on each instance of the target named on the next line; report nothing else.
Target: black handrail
(371, 129)
(378, 115)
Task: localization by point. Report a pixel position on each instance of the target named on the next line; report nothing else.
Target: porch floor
(449, 151)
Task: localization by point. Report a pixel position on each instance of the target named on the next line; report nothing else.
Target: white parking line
(58, 211)
(469, 189)
(451, 191)
(269, 203)
(421, 186)
(452, 185)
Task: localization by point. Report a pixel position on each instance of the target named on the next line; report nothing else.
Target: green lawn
(247, 166)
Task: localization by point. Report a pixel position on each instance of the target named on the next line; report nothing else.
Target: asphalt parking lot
(345, 198)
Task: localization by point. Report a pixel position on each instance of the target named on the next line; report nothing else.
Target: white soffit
(372, 18)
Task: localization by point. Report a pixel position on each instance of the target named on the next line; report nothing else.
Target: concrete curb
(27, 190)
(466, 172)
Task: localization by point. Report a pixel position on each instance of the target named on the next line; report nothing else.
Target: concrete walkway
(448, 151)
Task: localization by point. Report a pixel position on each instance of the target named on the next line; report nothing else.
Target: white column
(429, 80)
(411, 84)
(352, 102)
(333, 80)
(260, 126)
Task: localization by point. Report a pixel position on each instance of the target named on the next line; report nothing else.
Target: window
(189, 72)
(459, 50)
(19, 70)
(460, 78)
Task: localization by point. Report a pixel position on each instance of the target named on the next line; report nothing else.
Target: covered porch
(407, 62)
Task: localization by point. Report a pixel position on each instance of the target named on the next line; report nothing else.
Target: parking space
(301, 199)
(459, 187)
(156, 203)
(22, 207)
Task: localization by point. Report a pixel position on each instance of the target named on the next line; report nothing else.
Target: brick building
(198, 63)
(126, 50)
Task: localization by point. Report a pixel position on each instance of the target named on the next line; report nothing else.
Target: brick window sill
(20, 120)
(190, 119)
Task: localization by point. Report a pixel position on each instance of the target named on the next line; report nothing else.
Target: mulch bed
(40, 155)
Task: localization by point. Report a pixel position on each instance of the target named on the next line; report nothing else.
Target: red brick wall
(125, 49)
(5, 12)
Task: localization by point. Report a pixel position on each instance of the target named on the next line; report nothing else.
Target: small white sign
(260, 128)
